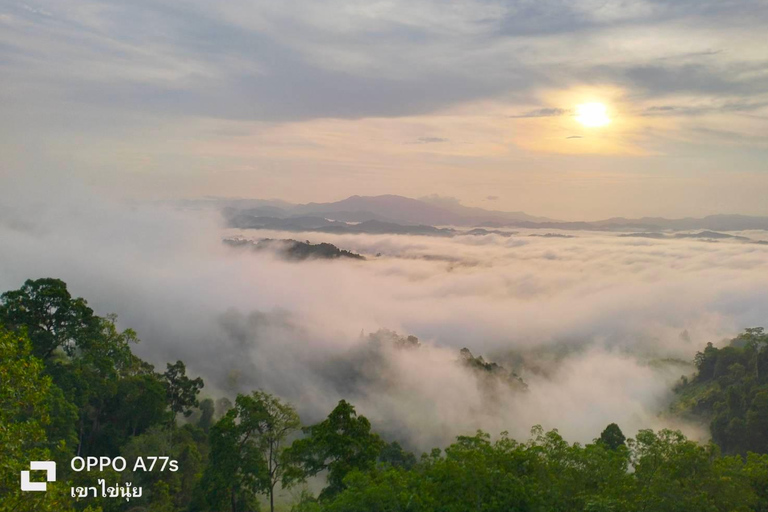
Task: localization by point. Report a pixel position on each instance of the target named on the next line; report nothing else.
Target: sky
(316, 100)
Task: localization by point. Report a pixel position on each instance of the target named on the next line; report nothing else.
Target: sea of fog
(599, 326)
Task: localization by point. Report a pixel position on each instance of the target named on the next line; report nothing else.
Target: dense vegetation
(730, 391)
(70, 385)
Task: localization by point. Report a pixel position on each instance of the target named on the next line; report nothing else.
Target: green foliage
(248, 446)
(84, 392)
(182, 391)
(274, 421)
(235, 470)
(61, 431)
(730, 390)
(340, 444)
(247, 452)
(207, 412)
(394, 455)
(756, 471)
(69, 383)
(188, 446)
(117, 395)
(95, 375)
(53, 319)
(612, 437)
(677, 474)
(547, 473)
(23, 411)
(490, 372)
(25, 419)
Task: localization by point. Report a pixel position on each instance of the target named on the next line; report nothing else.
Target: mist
(585, 321)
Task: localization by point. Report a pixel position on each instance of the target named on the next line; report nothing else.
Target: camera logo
(48, 466)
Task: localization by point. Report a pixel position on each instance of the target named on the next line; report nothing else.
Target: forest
(71, 386)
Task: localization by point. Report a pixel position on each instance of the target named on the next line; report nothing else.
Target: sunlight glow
(592, 114)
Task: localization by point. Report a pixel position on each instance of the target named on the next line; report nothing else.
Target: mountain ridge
(436, 211)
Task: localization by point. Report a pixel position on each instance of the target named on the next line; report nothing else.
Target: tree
(341, 443)
(182, 391)
(757, 421)
(96, 378)
(612, 437)
(705, 362)
(88, 359)
(730, 390)
(674, 473)
(167, 487)
(235, 469)
(247, 446)
(384, 490)
(207, 411)
(139, 403)
(394, 455)
(272, 421)
(756, 470)
(53, 319)
(24, 416)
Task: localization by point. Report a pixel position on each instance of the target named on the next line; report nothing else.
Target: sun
(592, 115)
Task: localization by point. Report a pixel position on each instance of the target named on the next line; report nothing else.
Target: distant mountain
(432, 211)
(397, 214)
(404, 210)
(248, 220)
(386, 208)
(479, 216)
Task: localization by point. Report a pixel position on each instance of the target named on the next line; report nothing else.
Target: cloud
(581, 319)
(660, 108)
(734, 79)
(92, 83)
(431, 140)
(304, 60)
(699, 109)
(545, 112)
(574, 137)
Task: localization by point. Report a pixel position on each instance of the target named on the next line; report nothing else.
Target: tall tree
(341, 443)
(88, 359)
(272, 422)
(53, 318)
(182, 391)
(248, 444)
(207, 411)
(236, 469)
(612, 437)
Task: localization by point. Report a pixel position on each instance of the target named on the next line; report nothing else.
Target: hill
(730, 392)
(293, 249)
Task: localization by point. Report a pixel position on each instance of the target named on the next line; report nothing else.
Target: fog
(585, 320)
